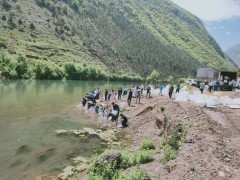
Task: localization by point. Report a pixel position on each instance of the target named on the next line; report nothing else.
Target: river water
(30, 112)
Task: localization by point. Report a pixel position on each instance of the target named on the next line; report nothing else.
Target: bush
(22, 67)
(169, 154)
(132, 158)
(147, 145)
(3, 43)
(104, 171)
(4, 18)
(139, 174)
(32, 27)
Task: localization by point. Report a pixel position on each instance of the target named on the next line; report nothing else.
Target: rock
(79, 159)
(67, 172)
(81, 168)
(113, 157)
(61, 131)
(221, 174)
(188, 140)
(23, 149)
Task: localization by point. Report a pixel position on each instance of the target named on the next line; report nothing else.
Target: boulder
(113, 157)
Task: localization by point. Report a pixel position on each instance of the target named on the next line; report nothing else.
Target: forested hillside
(95, 39)
(234, 54)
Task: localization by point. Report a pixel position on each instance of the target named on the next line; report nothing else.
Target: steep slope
(234, 54)
(132, 37)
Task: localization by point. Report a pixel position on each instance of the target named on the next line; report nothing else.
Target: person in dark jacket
(106, 95)
(119, 93)
(84, 101)
(129, 99)
(177, 88)
(148, 94)
(124, 120)
(170, 91)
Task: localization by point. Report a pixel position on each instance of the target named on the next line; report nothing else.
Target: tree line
(21, 68)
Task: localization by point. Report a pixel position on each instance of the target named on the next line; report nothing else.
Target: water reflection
(30, 111)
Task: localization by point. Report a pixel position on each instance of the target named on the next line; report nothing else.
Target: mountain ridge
(234, 53)
(131, 37)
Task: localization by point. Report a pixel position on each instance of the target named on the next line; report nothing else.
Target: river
(30, 112)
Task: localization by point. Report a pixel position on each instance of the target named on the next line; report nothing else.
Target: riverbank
(190, 142)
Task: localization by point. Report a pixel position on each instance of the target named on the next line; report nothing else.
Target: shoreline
(201, 151)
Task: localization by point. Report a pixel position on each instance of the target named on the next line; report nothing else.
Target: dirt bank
(212, 146)
(210, 150)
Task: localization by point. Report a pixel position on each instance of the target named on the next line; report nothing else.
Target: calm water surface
(30, 112)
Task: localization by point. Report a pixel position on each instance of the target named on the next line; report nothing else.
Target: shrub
(139, 174)
(4, 18)
(3, 43)
(32, 27)
(132, 158)
(147, 145)
(104, 171)
(20, 22)
(169, 154)
(22, 67)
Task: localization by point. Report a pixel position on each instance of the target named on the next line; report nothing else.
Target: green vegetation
(100, 169)
(123, 38)
(22, 68)
(147, 145)
(139, 174)
(171, 146)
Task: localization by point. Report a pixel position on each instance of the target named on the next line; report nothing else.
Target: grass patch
(102, 170)
(172, 145)
(139, 174)
(147, 145)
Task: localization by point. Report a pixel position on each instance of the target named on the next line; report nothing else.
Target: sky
(220, 17)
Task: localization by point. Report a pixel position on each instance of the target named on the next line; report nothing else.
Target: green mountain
(234, 54)
(118, 37)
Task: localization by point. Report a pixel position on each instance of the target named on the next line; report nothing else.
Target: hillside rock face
(234, 54)
(133, 37)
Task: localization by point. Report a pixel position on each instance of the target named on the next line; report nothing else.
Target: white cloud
(228, 32)
(211, 10)
(222, 27)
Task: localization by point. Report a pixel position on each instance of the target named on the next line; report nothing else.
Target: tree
(154, 77)
(20, 22)
(22, 67)
(32, 27)
(4, 18)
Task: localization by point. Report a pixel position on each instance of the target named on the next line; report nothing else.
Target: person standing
(170, 91)
(97, 92)
(210, 88)
(106, 94)
(161, 89)
(113, 96)
(138, 95)
(202, 86)
(177, 88)
(120, 93)
(109, 96)
(129, 99)
(148, 92)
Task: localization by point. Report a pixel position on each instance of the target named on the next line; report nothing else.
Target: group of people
(91, 104)
(112, 112)
(219, 85)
